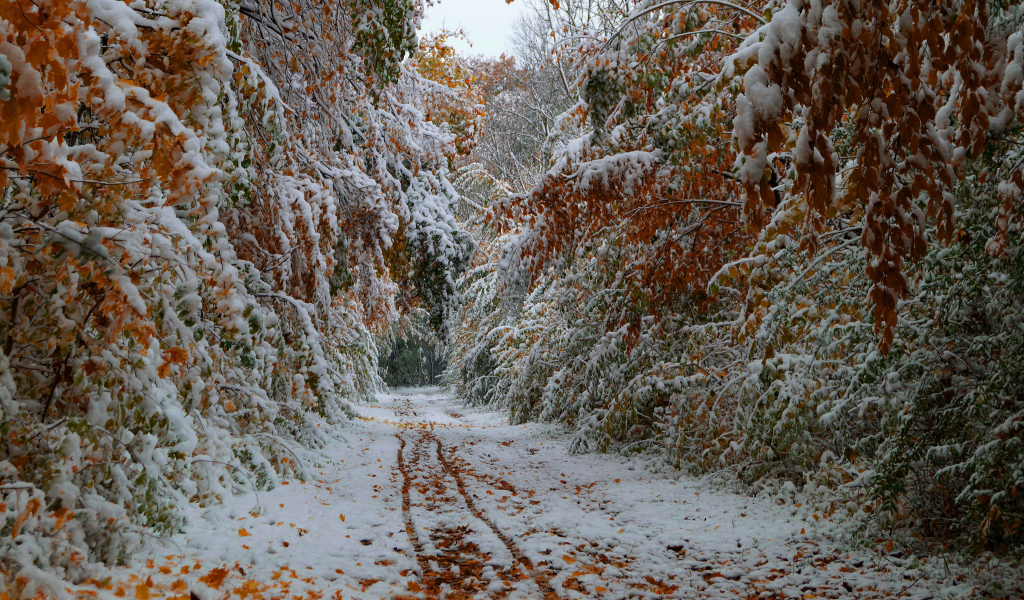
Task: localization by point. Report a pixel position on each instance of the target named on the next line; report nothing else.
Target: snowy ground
(422, 497)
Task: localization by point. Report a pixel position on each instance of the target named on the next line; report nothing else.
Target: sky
(487, 23)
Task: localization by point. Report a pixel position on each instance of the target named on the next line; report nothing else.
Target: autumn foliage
(781, 241)
(192, 251)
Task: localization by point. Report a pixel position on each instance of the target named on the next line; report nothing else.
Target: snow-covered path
(424, 498)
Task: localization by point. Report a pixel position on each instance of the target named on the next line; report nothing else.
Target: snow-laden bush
(927, 437)
(192, 269)
(763, 260)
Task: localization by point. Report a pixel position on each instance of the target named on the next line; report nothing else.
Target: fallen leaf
(242, 532)
(215, 578)
(568, 559)
(249, 588)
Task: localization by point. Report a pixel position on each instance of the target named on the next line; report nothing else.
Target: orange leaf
(31, 508)
(175, 355)
(7, 278)
(568, 559)
(63, 515)
(242, 532)
(215, 578)
(249, 588)
(342, 518)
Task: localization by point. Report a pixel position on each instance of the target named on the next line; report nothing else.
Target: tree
(788, 243)
(196, 203)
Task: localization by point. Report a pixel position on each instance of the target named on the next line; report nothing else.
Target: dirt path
(423, 498)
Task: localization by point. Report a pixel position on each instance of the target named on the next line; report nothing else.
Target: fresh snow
(543, 522)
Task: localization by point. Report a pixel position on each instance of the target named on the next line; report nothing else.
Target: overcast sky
(487, 23)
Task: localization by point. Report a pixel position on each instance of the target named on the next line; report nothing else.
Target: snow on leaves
(913, 86)
(195, 198)
(813, 269)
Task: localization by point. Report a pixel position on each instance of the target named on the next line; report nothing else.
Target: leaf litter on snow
(587, 526)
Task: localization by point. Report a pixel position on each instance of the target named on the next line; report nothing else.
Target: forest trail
(424, 498)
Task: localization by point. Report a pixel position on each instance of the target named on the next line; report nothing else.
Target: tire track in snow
(539, 578)
(458, 571)
(410, 528)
